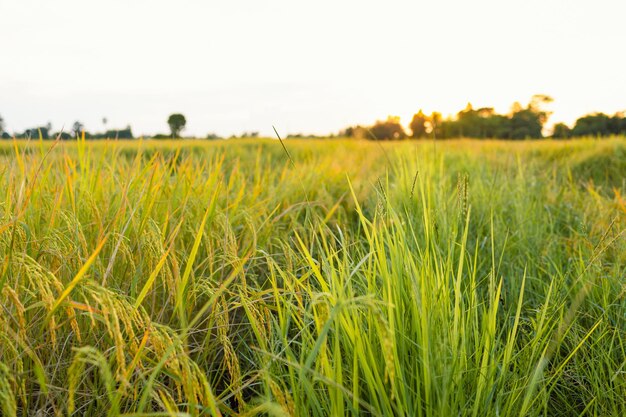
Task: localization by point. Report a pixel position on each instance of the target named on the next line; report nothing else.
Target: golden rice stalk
(7, 398)
(230, 356)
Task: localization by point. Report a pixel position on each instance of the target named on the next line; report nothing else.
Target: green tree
(1, 125)
(498, 126)
(561, 131)
(126, 133)
(434, 125)
(469, 122)
(62, 135)
(356, 132)
(418, 125)
(596, 124)
(177, 123)
(388, 129)
(77, 128)
(617, 124)
(37, 132)
(525, 124)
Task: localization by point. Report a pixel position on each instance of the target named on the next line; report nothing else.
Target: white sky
(312, 66)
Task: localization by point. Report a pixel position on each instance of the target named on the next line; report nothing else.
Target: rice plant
(186, 278)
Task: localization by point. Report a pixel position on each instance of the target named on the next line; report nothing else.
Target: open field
(221, 278)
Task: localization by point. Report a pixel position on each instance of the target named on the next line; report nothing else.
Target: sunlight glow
(306, 67)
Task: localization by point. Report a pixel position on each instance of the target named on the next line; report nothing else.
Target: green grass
(395, 279)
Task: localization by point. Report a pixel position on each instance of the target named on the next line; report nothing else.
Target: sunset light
(323, 208)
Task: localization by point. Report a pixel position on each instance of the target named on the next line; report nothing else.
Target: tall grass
(190, 278)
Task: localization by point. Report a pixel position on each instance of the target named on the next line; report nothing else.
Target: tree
(561, 131)
(526, 124)
(77, 128)
(596, 124)
(497, 126)
(356, 132)
(434, 125)
(469, 122)
(42, 132)
(418, 125)
(348, 132)
(1, 125)
(388, 129)
(617, 124)
(126, 133)
(161, 136)
(177, 123)
(62, 135)
(35, 133)
(537, 105)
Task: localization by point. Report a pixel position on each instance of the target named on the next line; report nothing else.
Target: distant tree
(212, 136)
(486, 122)
(434, 125)
(126, 133)
(355, 132)
(469, 122)
(617, 124)
(361, 132)
(600, 124)
(348, 132)
(62, 135)
(1, 125)
(561, 131)
(388, 129)
(538, 104)
(306, 136)
(252, 134)
(44, 131)
(525, 124)
(36, 133)
(77, 128)
(162, 136)
(418, 125)
(596, 124)
(489, 124)
(447, 129)
(177, 123)
(516, 107)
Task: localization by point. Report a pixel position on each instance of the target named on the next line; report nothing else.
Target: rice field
(229, 278)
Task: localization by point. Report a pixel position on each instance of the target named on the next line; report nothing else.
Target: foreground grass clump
(190, 278)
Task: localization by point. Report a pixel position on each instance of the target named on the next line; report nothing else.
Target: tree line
(176, 123)
(522, 122)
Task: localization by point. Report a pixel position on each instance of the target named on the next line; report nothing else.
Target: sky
(303, 66)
